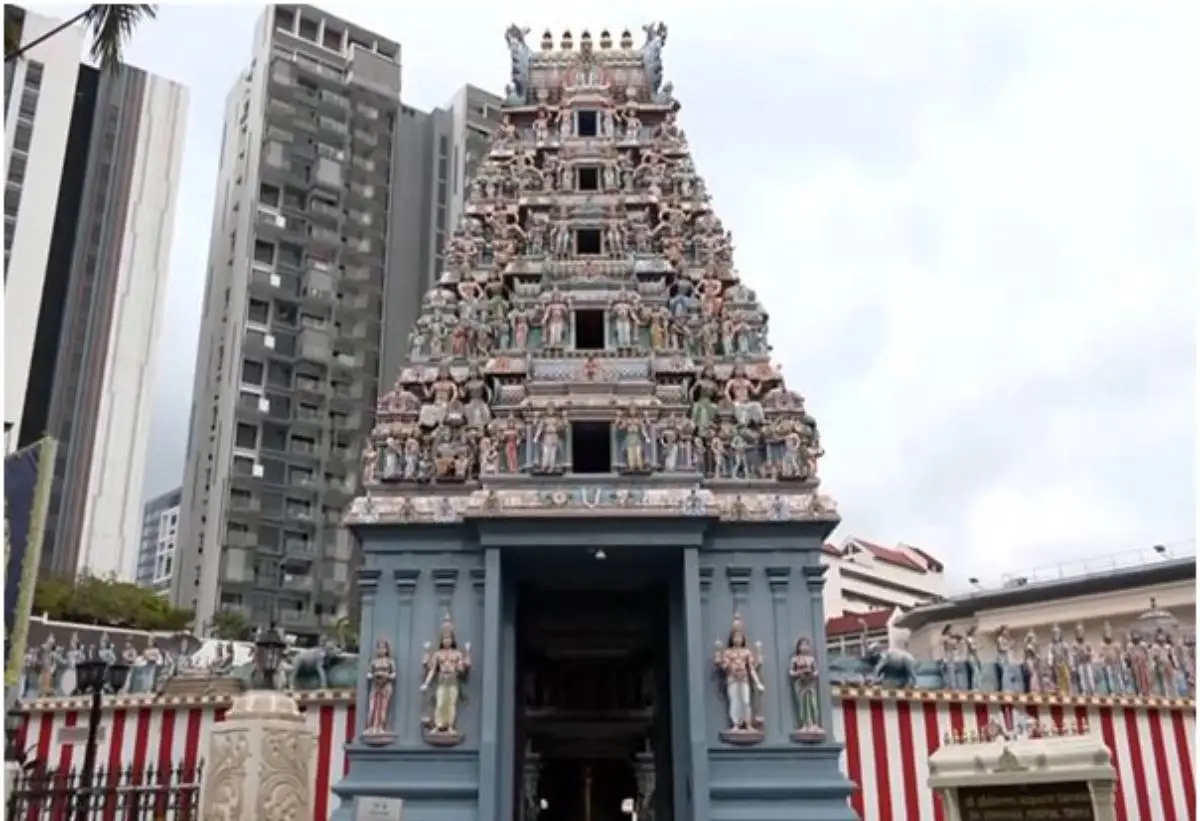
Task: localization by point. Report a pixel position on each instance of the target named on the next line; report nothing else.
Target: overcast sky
(975, 229)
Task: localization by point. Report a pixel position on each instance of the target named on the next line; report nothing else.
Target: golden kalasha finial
(567, 43)
(606, 40)
(547, 41)
(626, 40)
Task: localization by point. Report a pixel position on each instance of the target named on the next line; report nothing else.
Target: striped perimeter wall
(888, 744)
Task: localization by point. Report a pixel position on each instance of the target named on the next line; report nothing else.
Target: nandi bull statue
(314, 661)
(891, 664)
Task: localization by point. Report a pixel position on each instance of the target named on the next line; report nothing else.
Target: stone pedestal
(259, 762)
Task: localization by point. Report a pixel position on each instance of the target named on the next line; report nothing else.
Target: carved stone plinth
(441, 738)
(377, 738)
(808, 735)
(259, 762)
(743, 737)
(204, 684)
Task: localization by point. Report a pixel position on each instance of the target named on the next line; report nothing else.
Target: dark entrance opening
(585, 122)
(589, 179)
(593, 713)
(589, 330)
(591, 447)
(587, 241)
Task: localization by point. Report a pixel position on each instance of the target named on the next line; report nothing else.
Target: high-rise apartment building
(333, 208)
(305, 226)
(160, 534)
(93, 162)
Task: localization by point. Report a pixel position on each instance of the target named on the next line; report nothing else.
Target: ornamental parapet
(308, 698)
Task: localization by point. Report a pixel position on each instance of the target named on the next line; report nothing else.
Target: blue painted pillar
(491, 797)
(699, 662)
(814, 579)
(368, 632)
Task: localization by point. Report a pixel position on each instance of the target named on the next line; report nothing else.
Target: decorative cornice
(316, 698)
(406, 579)
(1025, 699)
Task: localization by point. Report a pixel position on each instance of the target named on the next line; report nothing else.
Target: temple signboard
(1069, 801)
(1027, 774)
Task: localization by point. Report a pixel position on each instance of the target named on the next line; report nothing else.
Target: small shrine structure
(1041, 772)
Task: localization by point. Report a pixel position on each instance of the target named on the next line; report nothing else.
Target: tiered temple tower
(591, 410)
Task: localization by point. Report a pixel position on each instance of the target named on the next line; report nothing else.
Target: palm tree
(111, 26)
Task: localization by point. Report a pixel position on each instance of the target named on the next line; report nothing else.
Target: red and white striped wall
(889, 738)
(163, 737)
(889, 742)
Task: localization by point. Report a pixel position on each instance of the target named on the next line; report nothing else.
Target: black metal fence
(144, 794)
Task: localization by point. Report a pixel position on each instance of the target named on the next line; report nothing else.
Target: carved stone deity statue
(805, 696)
(381, 686)
(951, 664)
(1058, 654)
(1139, 664)
(1112, 663)
(1165, 665)
(1031, 661)
(446, 670)
(974, 665)
(548, 432)
(738, 665)
(1008, 673)
(1082, 663)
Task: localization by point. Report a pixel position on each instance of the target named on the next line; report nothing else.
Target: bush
(108, 602)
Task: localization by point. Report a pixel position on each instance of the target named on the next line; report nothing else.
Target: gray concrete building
(332, 208)
(160, 537)
(93, 162)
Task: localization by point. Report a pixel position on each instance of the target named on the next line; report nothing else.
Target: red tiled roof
(852, 623)
(934, 565)
(830, 550)
(890, 556)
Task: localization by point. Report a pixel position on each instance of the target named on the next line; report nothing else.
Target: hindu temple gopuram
(591, 523)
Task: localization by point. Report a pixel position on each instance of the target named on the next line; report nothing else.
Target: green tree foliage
(108, 602)
(230, 625)
(110, 27)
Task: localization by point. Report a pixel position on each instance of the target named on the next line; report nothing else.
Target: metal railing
(129, 794)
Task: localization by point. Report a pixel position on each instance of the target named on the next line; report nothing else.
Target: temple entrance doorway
(593, 720)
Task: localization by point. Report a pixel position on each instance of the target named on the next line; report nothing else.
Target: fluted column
(406, 589)
(368, 632)
(814, 580)
(778, 684)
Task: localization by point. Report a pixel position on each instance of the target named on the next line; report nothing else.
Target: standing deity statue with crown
(445, 669)
(738, 665)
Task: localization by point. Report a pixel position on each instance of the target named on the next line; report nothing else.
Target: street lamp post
(268, 650)
(92, 675)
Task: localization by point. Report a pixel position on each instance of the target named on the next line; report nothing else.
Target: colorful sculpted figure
(1165, 664)
(950, 664)
(738, 665)
(1137, 655)
(1112, 663)
(805, 677)
(446, 670)
(1083, 663)
(1032, 663)
(381, 685)
(974, 665)
(1058, 655)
